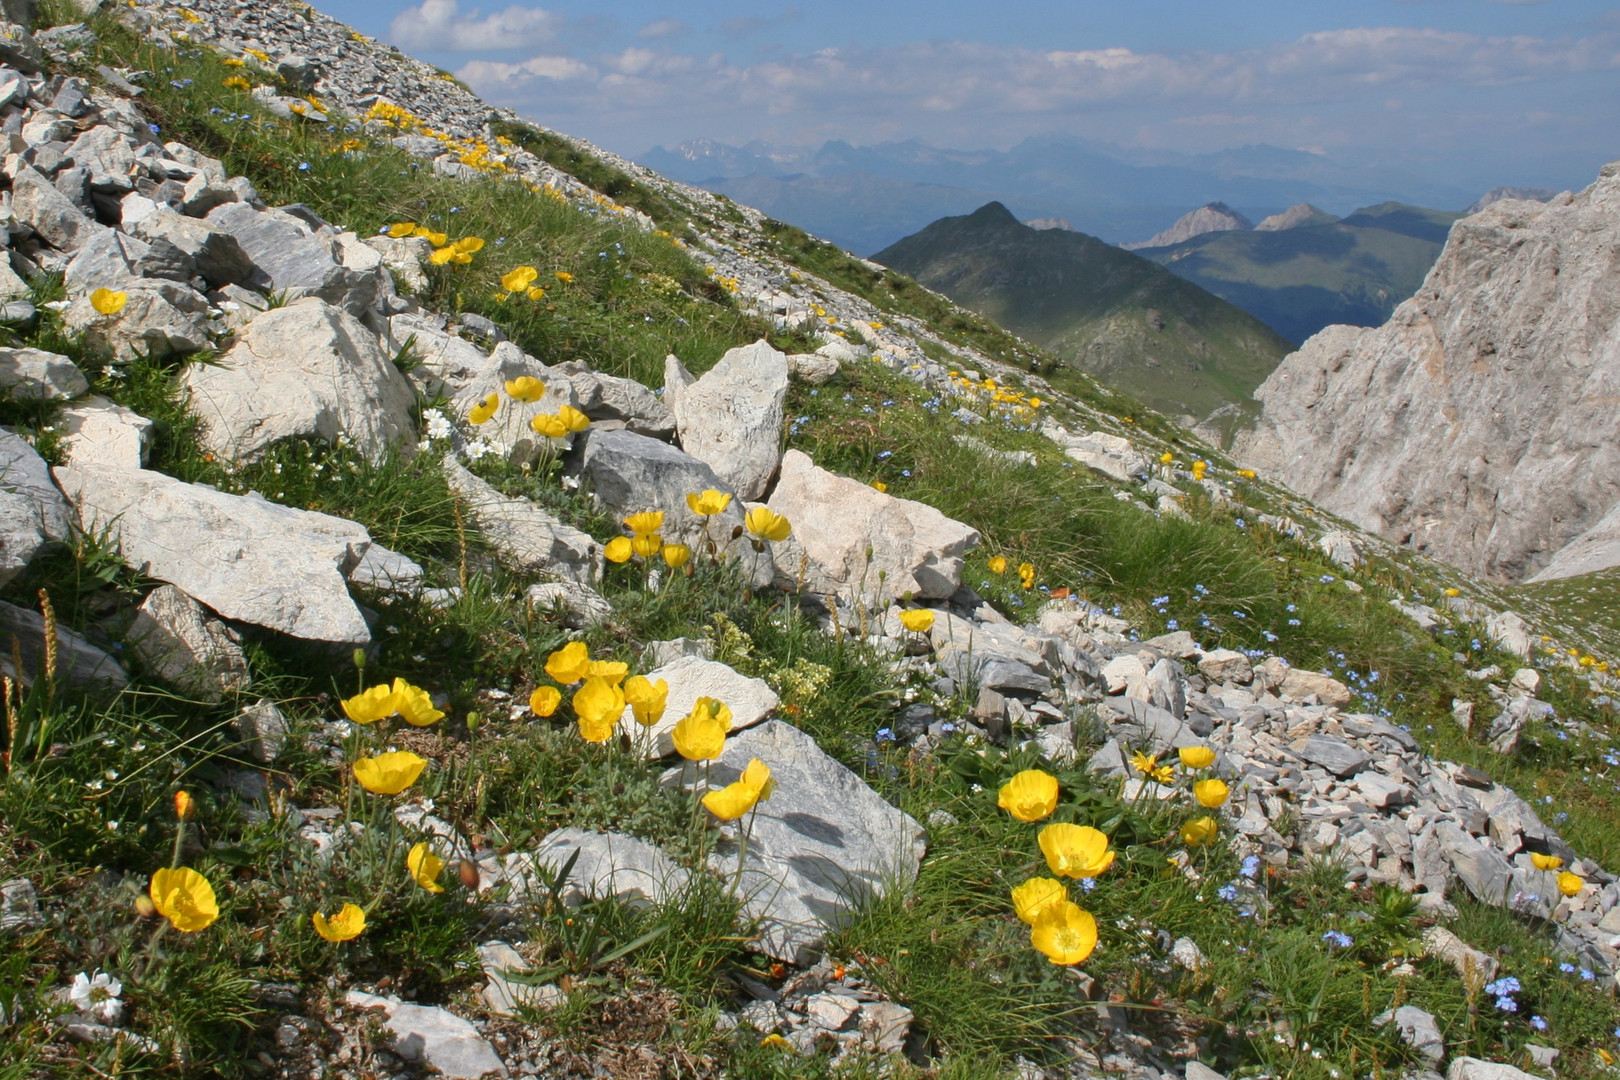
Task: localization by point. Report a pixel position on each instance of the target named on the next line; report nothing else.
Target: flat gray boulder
(98, 432)
(248, 559)
(525, 536)
(1336, 755)
(608, 397)
(33, 512)
(290, 256)
(182, 643)
(307, 370)
(822, 845)
(610, 865)
(52, 216)
(691, 677)
(217, 255)
(159, 318)
(731, 418)
(37, 375)
(915, 550)
(78, 663)
(434, 1037)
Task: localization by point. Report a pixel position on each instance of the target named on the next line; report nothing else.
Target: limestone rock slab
(610, 864)
(33, 512)
(184, 645)
(524, 535)
(915, 549)
(306, 370)
(821, 845)
(691, 677)
(731, 417)
(246, 558)
(435, 1037)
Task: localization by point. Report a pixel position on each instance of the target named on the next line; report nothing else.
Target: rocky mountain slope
(352, 472)
(1315, 270)
(1209, 218)
(1109, 313)
(1478, 424)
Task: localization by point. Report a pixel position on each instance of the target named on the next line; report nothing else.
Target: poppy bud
(185, 807)
(360, 659)
(473, 721)
(736, 531)
(144, 906)
(468, 872)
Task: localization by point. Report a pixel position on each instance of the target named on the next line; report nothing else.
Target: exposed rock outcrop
(1478, 424)
(1211, 217)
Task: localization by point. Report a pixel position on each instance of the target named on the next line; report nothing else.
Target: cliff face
(1481, 424)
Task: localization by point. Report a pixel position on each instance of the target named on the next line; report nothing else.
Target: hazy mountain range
(867, 197)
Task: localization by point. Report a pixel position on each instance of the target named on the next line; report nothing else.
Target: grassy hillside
(1107, 311)
(87, 785)
(1299, 280)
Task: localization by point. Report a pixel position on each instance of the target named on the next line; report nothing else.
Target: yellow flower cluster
(1061, 930)
(1002, 399)
(474, 153)
(646, 540)
(520, 280)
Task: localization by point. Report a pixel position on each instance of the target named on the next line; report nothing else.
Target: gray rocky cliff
(1481, 424)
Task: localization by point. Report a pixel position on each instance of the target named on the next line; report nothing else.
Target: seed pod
(468, 872)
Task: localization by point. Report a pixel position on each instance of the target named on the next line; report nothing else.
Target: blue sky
(1473, 92)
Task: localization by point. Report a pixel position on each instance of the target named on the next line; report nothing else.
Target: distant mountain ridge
(1122, 318)
(1318, 271)
(1107, 191)
(1211, 217)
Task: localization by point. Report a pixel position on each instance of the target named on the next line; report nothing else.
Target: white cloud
(661, 29)
(440, 26)
(488, 74)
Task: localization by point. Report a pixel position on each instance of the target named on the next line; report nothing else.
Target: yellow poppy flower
(525, 388)
(998, 565)
(1029, 796)
(185, 898)
(573, 419)
(1210, 793)
(1076, 851)
(1545, 862)
(519, 278)
(776, 1042)
(414, 704)
(1148, 765)
(598, 705)
(708, 502)
(109, 301)
(536, 293)
(443, 255)
(701, 735)
(548, 424)
(732, 801)
(389, 774)
(544, 700)
(1064, 933)
(645, 523)
(401, 229)
(1199, 831)
(570, 663)
(647, 699)
(613, 671)
(485, 409)
(348, 924)
(370, 705)
(1570, 884)
(1026, 575)
(646, 547)
(676, 555)
(1166, 458)
(917, 620)
(1035, 896)
(617, 550)
(767, 524)
(564, 276)
(425, 867)
(757, 775)
(471, 245)
(1197, 757)
(437, 239)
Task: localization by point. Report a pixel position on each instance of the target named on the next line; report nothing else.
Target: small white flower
(97, 996)
(437, 426)
(478, 448)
